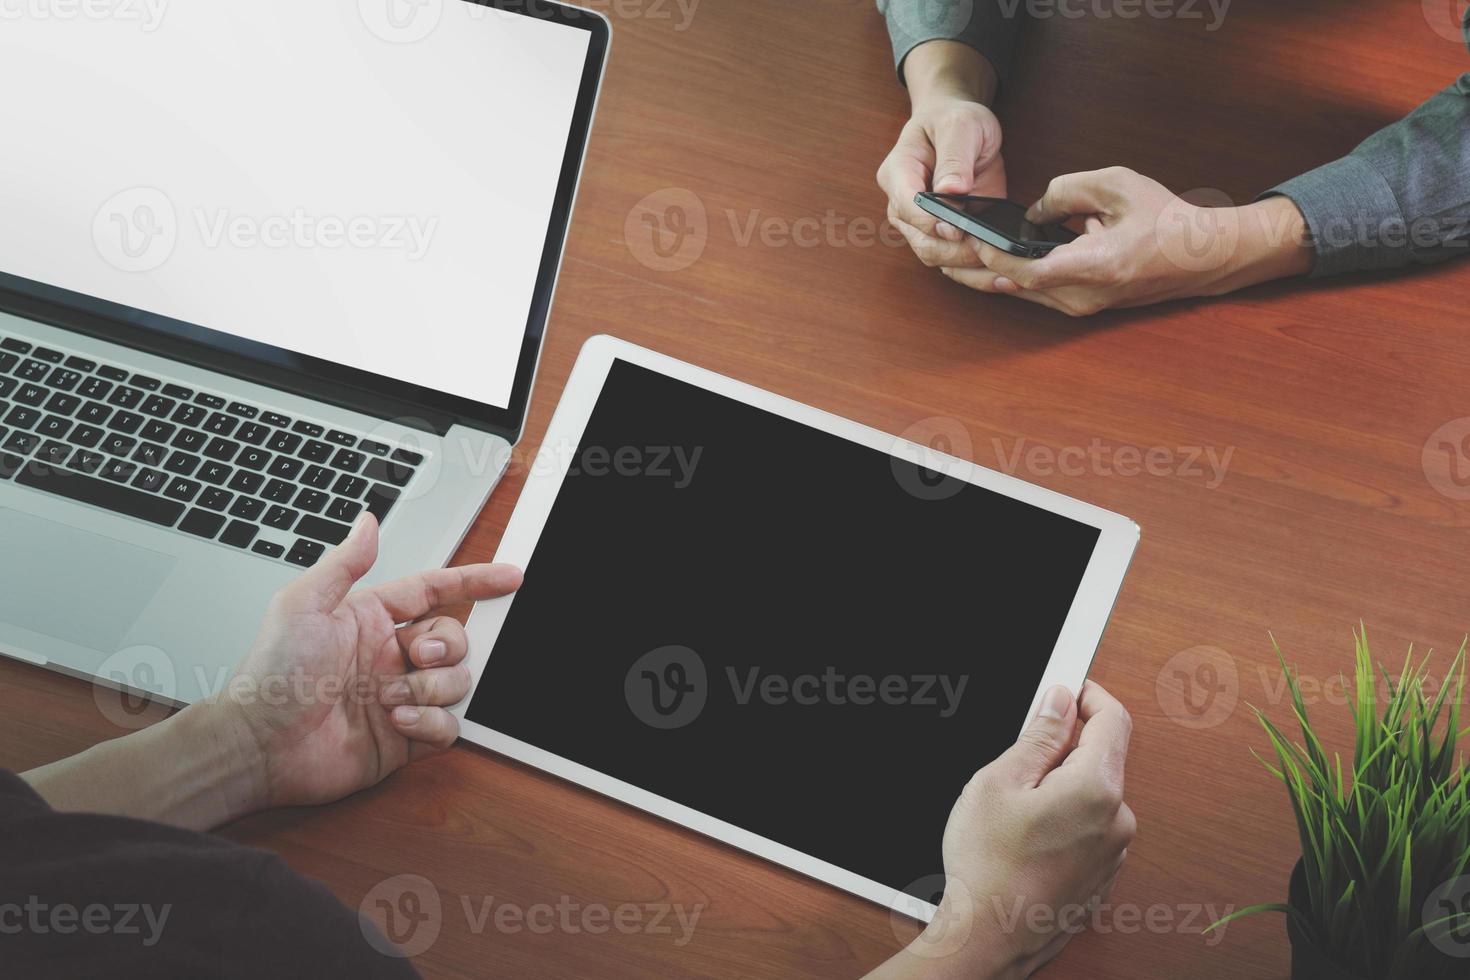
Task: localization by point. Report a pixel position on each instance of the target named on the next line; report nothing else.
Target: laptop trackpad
(74, 585)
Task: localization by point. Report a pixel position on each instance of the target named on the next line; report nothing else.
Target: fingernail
(432, 651)
(395, 692)
(1055, 704)
(406, 715)
(1001, 282)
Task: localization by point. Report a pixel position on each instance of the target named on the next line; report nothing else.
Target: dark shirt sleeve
(88, 895)
(988, 26)
(1402, 196)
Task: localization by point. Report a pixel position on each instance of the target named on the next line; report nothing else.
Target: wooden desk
(773, 112)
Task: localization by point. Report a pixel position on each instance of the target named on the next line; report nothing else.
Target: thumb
(323, 587)
(955, 151)
(1046, 741)
(1071, 194)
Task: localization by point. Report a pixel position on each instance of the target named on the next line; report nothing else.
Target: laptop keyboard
(191, 460)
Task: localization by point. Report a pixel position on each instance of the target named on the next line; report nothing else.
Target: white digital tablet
(782, 629)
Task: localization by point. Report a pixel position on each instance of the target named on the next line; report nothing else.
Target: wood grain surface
(1318, 399)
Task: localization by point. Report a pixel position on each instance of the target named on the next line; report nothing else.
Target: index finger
(902, 177)
(408, 598)
(1106, 731)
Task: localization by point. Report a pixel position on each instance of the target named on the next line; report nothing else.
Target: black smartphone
(997, 222)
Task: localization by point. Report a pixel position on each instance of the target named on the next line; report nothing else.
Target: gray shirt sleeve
(988, 26)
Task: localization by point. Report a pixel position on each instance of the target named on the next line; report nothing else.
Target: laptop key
(214, 473)
(54, 426)
(317, 477)
(47, 354)
(243, 410)
(53, 453)
(118, 445)
(275, 418)
(178, 391)
(284, 467)
(213, 498)
(350, 486)
(342, 509)
(86, 461)
(32, 395)
(348, 461)
(190, 439)
(253, 459)
(124, 396)
(85, 436)
(7, 385)
(252, 433)
(21, 442)
(315, 452)
(380, 499)
(64, 378)
(156, 431)
(150, 454)
(32, 370)
(191, 415)
(239, 534)
(81, 364)
(182, 463)
(407, 456)
(126, 422)
(146, 383)
(278, 491)
(283, 442)
(281, 518)
(10, 464)
(209, 401)
(63, 404)
(246, 482)
(112, 373)
(307, 428)
(319, 529)
(221, 449)
(150, 479)
(342, 438)
(311, 501)
(101, 493)
(247, 507)
(94, 412)
(305, 553)
(202, 523)
(374, 448)
(158, 406)
(268, 548)
(22, 417)
(221, 424)
(117, 469)
(94, 388)
(181, 489)
(15, 344)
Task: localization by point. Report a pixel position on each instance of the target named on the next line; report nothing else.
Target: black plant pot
(1308, 961)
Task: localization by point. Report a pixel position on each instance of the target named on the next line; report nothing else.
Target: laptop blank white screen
(365, 181)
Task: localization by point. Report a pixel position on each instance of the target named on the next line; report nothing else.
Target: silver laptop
(264, 267)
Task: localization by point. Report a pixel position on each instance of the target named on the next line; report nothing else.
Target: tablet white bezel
(1070, 659)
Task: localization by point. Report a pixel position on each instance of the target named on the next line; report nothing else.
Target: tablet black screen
(777, 627)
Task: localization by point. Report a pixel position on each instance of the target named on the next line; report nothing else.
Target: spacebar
(101, 493)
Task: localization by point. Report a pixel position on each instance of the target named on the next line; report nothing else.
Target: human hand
(1042, 827)
(335, 694)
(1142, 245)
(950, 145)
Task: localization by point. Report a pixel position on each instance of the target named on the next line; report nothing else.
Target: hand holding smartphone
(997, 222)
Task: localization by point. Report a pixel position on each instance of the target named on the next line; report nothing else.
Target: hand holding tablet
(785, 630)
